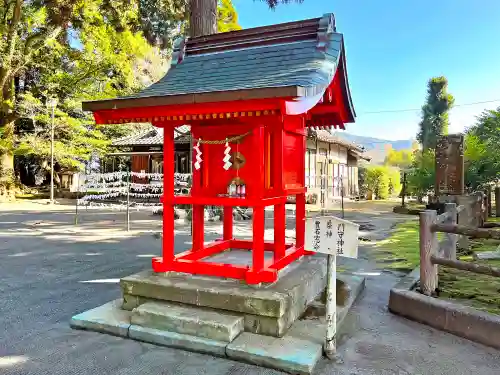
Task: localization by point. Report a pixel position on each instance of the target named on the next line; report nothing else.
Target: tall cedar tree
(435, 119)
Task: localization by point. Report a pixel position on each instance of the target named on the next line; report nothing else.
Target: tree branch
(34, 38)
(12, 34)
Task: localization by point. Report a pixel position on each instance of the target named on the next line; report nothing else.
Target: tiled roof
(296, 59)
(153, 137)
(326, 136)
(182, 134)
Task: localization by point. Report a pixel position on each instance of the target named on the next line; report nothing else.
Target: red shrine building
(249, 97)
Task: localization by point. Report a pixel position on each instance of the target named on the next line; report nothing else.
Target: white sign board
(332, 235)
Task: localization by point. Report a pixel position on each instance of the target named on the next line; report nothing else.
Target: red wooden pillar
(300, 217)
(168, 195)
(279, 231)
(198, 218)
(228, 223)
(198, 214)
(277, 179)
(258, 239)
(300, 199)
(258, 212)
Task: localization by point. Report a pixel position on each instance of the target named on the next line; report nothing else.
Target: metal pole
(52, 158)
(77, 194)
(330, 346)
(128, 202)
(404, 190)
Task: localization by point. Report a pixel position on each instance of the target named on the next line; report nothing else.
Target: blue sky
(394, 46)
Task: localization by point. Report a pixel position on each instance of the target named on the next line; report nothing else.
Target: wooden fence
(458, 223)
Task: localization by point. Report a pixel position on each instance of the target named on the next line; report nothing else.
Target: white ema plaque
(332, 235)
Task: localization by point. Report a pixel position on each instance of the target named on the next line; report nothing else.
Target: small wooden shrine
(248, 96)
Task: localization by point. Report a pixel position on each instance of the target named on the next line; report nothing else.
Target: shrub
(382, 181)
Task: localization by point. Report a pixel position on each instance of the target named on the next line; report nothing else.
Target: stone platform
(268, 309)
(261, 325)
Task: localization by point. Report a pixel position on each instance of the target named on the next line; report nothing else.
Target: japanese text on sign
(340, 239)
(332, 235)
(317, 236)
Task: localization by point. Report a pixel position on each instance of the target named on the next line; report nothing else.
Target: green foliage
(401, 159)
(422, 174)
(382, 181)
(394, 181)
(274, 3)
(227, 18)
(435, 119)
(481, 141)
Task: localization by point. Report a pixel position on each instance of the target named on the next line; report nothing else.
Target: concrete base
(108, 318)
(297, 352)
(178, 340)
(267, 310)
(288, 353)
(188, 320)
(444, 315)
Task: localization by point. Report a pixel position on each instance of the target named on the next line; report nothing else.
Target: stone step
(188, 320)
(268, 309)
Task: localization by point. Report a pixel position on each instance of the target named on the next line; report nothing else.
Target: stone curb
(462, 321)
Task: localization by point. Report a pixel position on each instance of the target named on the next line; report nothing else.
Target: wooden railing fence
(458, 223)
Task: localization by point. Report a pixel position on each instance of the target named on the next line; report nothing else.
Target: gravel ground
(51, 270)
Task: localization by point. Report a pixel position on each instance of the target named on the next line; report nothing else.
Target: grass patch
(479, 291)
(28, 196)
(400, 250)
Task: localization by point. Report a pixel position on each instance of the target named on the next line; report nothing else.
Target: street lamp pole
(52, 103)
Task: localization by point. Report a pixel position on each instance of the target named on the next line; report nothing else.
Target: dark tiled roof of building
(296, 59)
(326, 136)
(153, 137)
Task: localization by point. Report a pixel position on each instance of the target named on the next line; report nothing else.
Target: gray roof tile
(153, 137)
(301, 56)
(293, 64)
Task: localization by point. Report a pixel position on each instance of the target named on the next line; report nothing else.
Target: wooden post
(330, 346)
(77, 196)
(168, 195)
(485, 209)
(228, 223)
(342, 195)
(403, 193)
(490, 206)
(497, 201)
(428, 247)
(128, 201)
(450, 243)
(198, 217)
(279, 231)
(480, 209)
(258, 239)
(464, 219)
(300, 220)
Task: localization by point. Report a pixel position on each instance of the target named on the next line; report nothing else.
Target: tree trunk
(7, 157)
(202, 18)
(6, 164)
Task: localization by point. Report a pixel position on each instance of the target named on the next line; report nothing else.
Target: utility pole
(52, 103)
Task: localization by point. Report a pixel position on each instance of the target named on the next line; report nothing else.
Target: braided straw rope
(218, 142)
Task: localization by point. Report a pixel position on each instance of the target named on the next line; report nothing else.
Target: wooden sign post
(335, 237)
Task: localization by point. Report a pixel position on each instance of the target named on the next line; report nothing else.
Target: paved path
(50, 270)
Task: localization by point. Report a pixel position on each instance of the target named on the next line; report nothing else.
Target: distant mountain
(376, 148)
